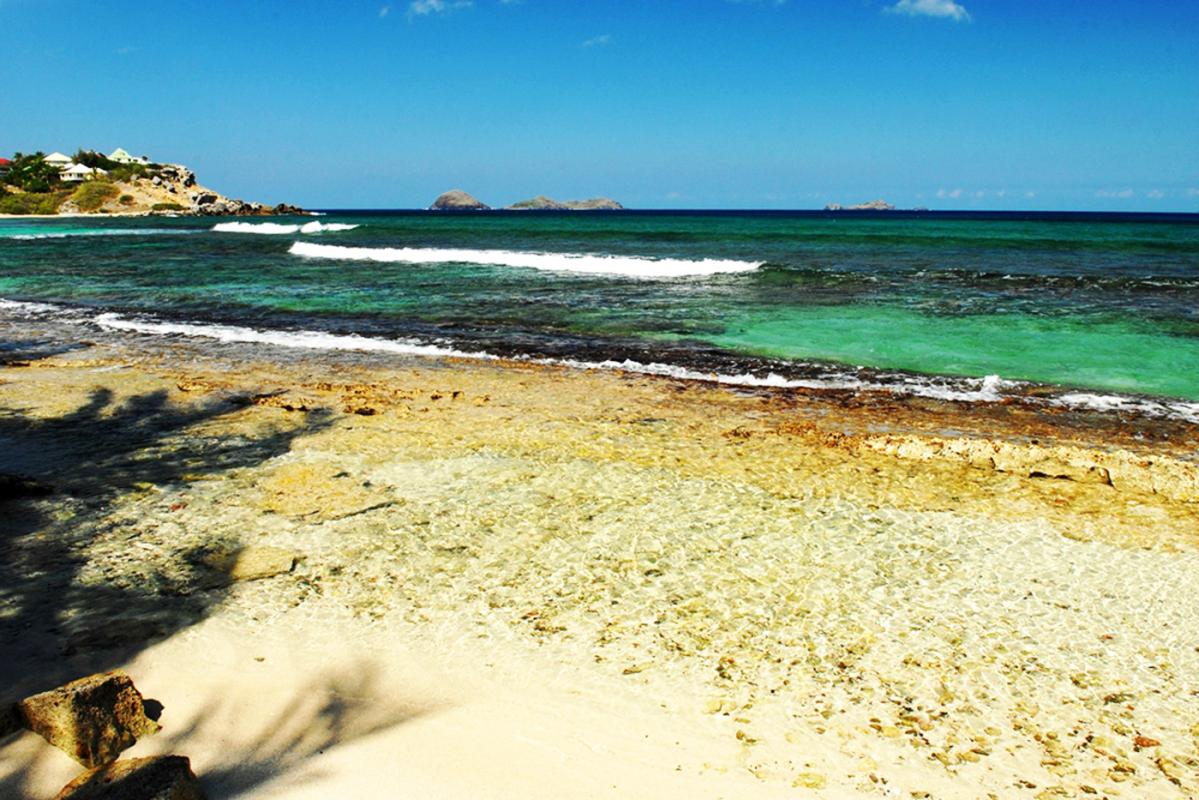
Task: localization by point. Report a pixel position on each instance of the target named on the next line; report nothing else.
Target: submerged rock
(457, 200)
(13, 487)
(248, 564)
(91, 719)
(156, 778)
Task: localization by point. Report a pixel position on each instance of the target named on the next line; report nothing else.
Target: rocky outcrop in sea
(457, 200)
(543, 203)
(872, 205)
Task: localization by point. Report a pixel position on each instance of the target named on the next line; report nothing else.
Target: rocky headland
(91, 183)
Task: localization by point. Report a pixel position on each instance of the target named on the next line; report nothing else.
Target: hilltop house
(121, 156)
(57, 159)
(5, 166)
(78, 172)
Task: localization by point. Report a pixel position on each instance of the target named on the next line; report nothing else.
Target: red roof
(4, 162)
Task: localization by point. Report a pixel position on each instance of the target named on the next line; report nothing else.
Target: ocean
(1096, 311)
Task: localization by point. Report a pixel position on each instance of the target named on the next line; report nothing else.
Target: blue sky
(1015, 104)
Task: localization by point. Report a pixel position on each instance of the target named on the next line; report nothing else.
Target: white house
(121, 156)
(78, 172)
(57, 159)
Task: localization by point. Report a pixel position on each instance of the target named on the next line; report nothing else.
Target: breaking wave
(991, 388)
(632, 266)
(279, 228)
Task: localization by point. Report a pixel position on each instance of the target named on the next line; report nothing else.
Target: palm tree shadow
(331, 710)
(59, 478)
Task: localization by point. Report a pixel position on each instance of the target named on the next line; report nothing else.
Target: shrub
(166, 207)
(90, 158)
(31, 203)
(93, 194)
(125, 200)
(32, 173)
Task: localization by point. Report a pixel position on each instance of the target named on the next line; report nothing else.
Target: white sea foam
(986, 389)
(279, 228)
(26, 308)
(1109, 403)
(633, 266)
(312, 340)
(98, 232)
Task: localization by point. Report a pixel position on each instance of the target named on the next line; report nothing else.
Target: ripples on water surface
(1088, 302)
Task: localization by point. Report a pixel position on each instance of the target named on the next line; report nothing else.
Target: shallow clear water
(1098, 303)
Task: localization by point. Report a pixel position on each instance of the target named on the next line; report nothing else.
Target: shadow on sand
(59, 479)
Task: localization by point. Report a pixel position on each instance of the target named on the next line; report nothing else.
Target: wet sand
(519, 581)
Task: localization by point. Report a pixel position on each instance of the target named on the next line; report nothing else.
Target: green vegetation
(32, 203)
(127, 172)
(32, 173)
(93, 194)
(125, 200)
(90, 158)
(166, 207)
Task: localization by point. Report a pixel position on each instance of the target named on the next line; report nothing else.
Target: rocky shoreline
(856, 592)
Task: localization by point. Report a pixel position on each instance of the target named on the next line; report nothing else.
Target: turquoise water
(1092, 303)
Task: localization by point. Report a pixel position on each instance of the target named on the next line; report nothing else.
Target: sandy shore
(536, 582)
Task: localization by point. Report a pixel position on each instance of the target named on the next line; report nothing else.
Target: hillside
(36, 185)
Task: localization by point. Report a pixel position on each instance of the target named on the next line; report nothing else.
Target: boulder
(156, 778)
(457, 200)
(91, 719)
(201, 199)
(594, 204)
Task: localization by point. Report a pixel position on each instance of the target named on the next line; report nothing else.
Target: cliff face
(457, 200)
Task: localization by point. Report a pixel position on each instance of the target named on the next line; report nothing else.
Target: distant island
(543, 203)
(458, 200)
(872, 205)
(90, 182)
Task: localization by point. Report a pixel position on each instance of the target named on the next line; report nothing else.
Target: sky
(945, 104)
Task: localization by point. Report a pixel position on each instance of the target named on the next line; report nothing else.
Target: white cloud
(1192, 192)
(946, 9)
(951, 193)
(422, 8)
(384, 11)
(1120, 193)
(598, 41)
(1001, 193)
(1030, 194)
(979, 193)
(1155, 194)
